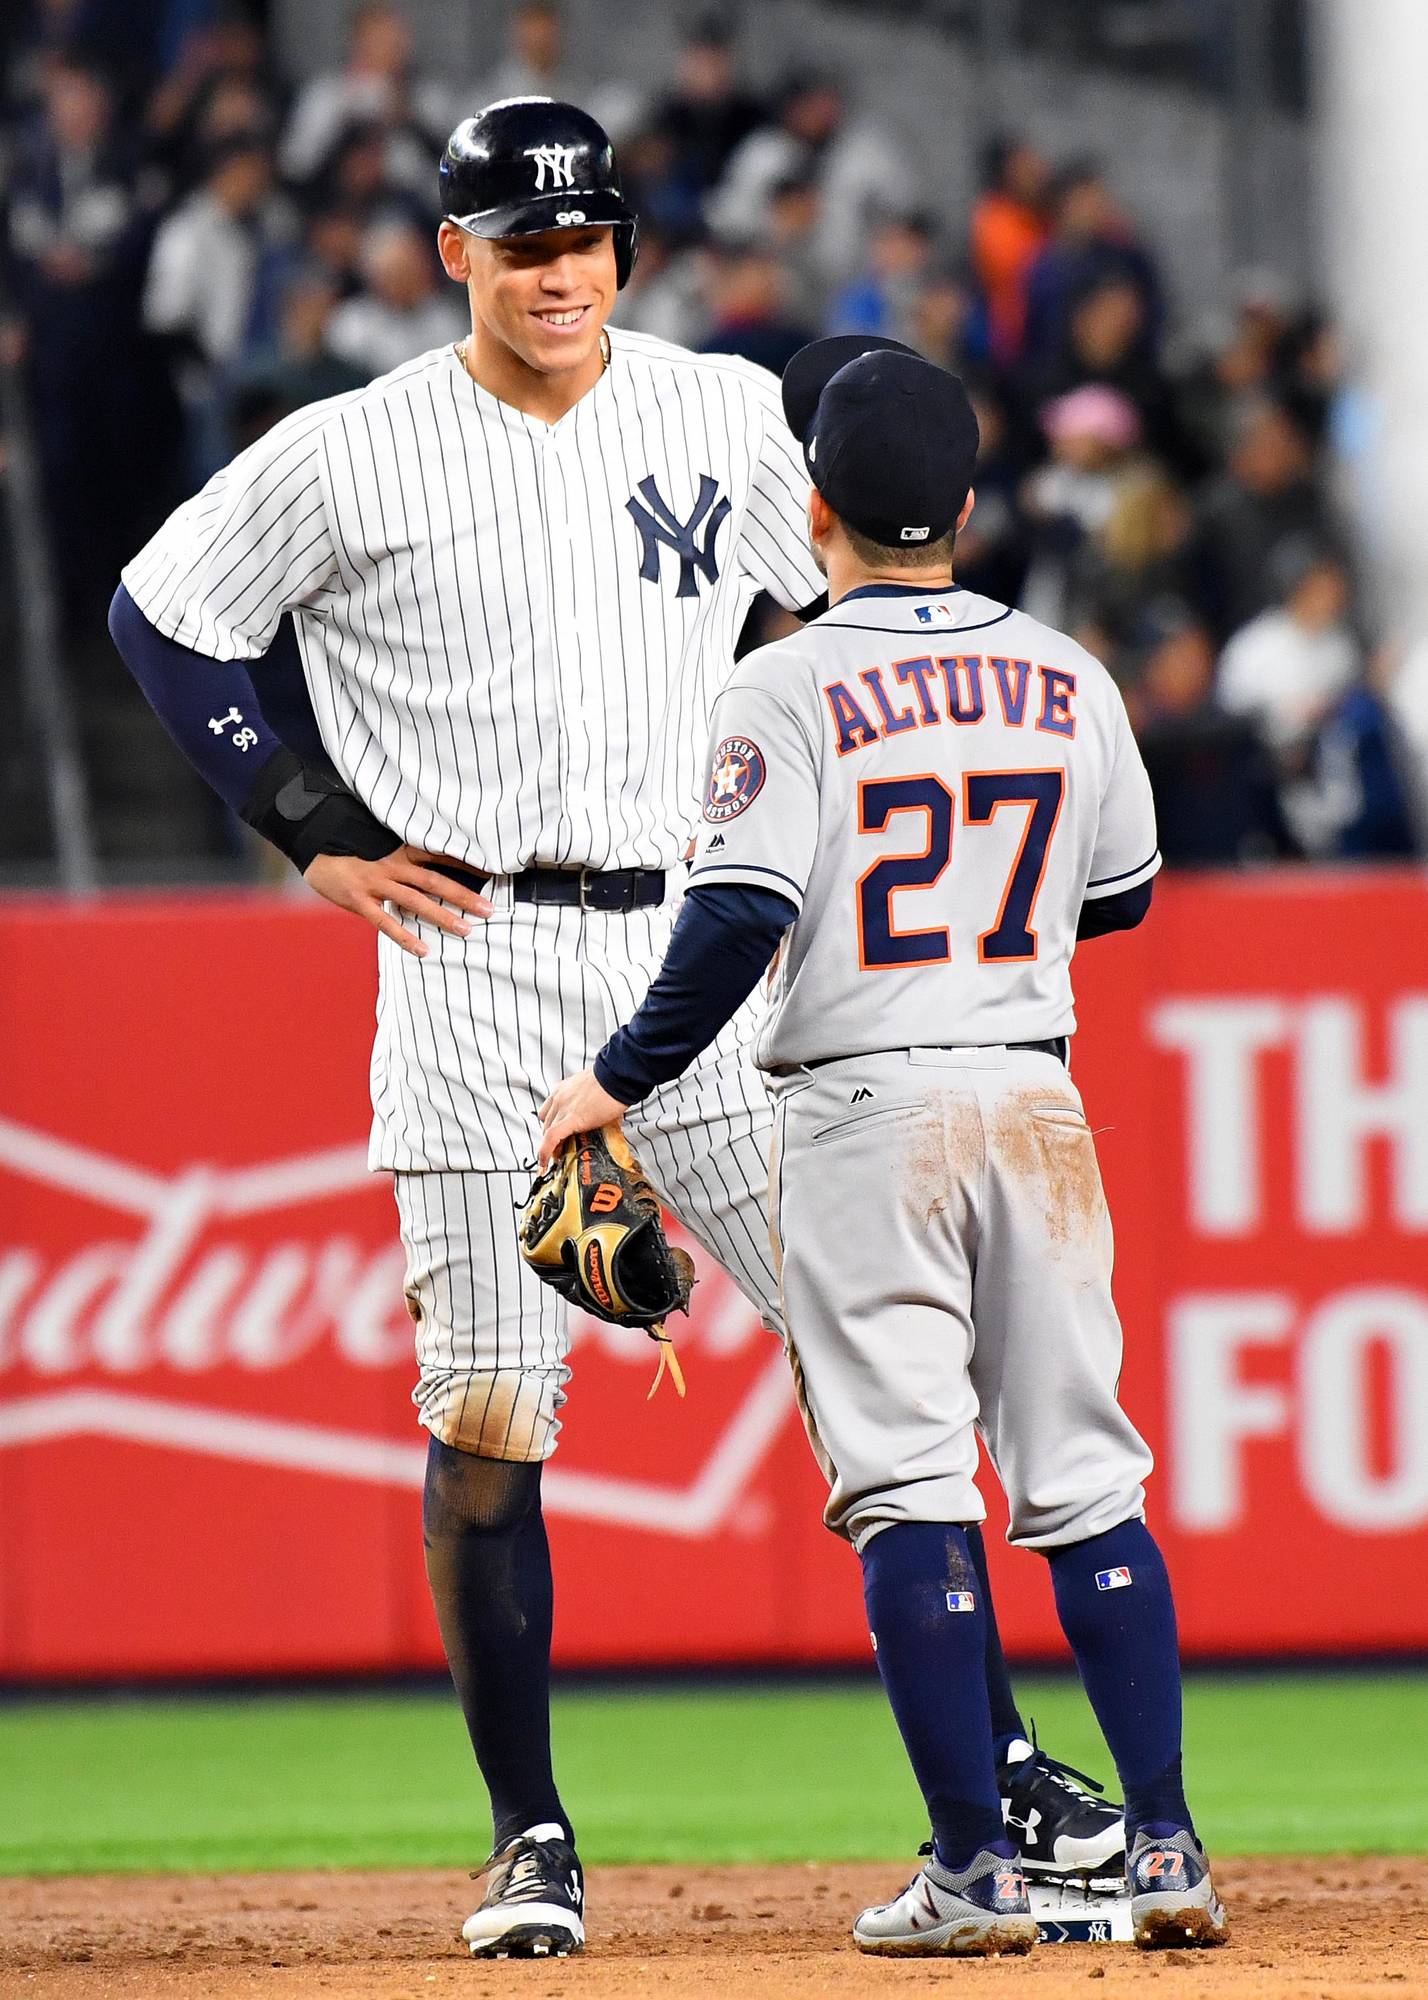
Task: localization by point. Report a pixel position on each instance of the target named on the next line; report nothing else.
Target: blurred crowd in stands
(194, 247)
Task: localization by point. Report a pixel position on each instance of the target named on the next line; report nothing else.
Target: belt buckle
(585, 877)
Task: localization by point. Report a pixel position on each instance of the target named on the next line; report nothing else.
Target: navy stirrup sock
(1007, 1724)
(926, 1613)
(488, 1563)
(1113, 1599)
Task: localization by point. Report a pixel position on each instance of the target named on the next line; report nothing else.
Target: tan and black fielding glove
(591, 1228)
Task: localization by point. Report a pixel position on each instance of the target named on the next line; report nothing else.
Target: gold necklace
(462, 350)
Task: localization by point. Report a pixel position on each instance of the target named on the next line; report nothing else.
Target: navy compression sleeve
(1104, 914)
(209, 707)
(212, 711)
(719, 951)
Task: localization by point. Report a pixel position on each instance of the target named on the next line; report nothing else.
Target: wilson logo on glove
(591, 1229)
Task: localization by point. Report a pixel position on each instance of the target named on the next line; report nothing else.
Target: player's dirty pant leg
(491, 1339)
(1048, 1350)
(931, 1279)
(872, 1206)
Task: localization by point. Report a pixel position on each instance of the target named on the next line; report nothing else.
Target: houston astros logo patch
(736, 779)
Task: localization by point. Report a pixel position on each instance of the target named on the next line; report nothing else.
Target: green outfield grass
(784, 1772)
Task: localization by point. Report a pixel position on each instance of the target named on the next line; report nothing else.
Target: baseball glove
(591, 1228)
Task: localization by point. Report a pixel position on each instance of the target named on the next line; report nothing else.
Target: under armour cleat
(1173, 1900)
(534, 1902)
(977, 1913)
(1062, 1829)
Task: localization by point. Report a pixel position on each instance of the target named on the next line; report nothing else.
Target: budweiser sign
(290, 1269)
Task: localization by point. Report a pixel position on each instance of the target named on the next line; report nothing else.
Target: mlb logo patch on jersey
(736, 779)
(1113, 1579)
(961, 1600)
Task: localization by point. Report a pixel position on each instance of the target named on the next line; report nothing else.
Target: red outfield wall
(207, 1457)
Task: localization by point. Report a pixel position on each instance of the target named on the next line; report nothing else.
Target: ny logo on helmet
(561, 162)
(659, 525)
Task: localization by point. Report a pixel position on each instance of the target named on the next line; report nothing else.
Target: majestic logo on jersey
(660, 526)
(558, 160)
(736, 779)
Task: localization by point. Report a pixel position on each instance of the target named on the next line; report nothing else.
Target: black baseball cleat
(534, 1902)
(1063, 1829)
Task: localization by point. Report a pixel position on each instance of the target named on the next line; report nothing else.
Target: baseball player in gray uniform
(515, 569)
(919, 803)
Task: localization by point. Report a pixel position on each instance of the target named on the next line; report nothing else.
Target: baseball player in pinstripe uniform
(922, 802)
(516, 570)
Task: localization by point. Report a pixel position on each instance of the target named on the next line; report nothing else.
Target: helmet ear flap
(627, 249)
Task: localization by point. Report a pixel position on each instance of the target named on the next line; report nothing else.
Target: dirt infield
(1315, 1929)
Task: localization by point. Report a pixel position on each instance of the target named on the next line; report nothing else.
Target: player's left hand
(577, 1105)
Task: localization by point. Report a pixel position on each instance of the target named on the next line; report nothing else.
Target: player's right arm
(206, 597)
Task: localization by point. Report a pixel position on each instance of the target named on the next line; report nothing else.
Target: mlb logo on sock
(961, 1600)
(1113, 1579)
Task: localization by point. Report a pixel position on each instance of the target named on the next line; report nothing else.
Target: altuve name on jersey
(963, 689)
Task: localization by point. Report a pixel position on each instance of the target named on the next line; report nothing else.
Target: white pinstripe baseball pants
(492, 1340)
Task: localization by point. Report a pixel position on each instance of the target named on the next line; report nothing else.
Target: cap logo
(914, 534)
(558, 160)
(812, 449)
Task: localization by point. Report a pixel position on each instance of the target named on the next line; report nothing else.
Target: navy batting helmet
(530, 163)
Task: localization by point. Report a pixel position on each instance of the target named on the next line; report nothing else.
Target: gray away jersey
(512, 631)
(937, 783)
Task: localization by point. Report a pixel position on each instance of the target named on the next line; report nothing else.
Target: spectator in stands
(1008, 232)
(78, 237)
(752, 316)
(1267, 496)
(406, 309)
(222, 84)
(667, 295)
(946, 323)
(709, 112)
(535, 65)
(210, 274)
(377, 85)
(1294, 661)
(1091, 240)
(1362, 780)
(357, 179)
(792, 236)
(1140, 555)
(1107, 342)
(1216, 798)
(994, 548)
(1236, 365)
(885, 295)
(299, 368)
(1094, 434)
(857, 170)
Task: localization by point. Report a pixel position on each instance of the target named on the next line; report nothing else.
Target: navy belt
(607, 889)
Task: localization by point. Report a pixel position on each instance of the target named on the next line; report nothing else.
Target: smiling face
(544, 298)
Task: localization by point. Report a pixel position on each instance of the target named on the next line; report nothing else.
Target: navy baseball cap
(889, 440)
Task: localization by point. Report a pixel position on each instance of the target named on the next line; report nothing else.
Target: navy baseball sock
(927, 1617)
(488, 1563)
(1113, 1599)
(1007, 1725)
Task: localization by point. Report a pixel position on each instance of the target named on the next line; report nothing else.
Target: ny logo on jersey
(561, 162)
(659, 524)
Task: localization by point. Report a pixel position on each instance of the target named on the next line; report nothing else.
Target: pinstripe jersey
(513, 633)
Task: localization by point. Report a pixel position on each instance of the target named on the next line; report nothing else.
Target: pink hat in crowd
(1093, 411)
